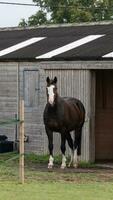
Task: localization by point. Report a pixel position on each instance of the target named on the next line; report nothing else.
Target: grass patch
(56, 191)
(7, 158)
(56, 184)
(90, 165)
(41, 159)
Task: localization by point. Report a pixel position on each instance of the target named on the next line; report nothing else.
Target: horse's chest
(53, 122)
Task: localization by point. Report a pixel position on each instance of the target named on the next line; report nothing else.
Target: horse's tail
(82, 111)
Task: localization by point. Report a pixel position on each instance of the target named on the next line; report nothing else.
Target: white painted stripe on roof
(109, 55)
(69, 46)
(20, 45)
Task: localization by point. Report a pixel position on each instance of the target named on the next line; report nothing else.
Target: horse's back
(75, 105)
(74, 101)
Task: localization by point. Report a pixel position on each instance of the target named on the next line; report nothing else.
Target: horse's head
(51, 90)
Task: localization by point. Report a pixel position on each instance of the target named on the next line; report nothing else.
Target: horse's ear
(55, 80)
(48, 79)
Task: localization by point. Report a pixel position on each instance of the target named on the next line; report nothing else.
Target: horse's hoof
(63, 166)
(75, 165)
(70, 164)
(50, 166)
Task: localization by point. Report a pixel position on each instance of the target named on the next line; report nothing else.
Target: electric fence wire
(59, 6)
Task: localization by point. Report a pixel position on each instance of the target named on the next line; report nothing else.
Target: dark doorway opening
(104, 115)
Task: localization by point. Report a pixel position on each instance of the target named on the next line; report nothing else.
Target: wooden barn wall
(28, 85)
(79, 79)
(75, 83)
(8, 98)
(31, 80)
(75, 79)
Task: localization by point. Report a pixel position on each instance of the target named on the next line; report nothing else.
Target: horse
(63, 115)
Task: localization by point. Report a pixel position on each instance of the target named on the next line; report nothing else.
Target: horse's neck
(58, 102)
(55, 112)
(57, 106)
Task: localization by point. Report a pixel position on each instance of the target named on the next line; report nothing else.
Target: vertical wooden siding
(75, 83)
(31, 84)
(8, 97)
(30, 91)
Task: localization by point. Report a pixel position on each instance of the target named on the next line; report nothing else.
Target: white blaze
(51, 93)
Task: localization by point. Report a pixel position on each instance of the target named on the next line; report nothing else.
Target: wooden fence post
(21, 143)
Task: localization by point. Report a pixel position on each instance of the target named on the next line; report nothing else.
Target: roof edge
(56, 25)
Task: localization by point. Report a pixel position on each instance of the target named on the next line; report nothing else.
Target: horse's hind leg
(63, 149)
(50, 146)
(77, 147)
(70, 143)
(79, 143)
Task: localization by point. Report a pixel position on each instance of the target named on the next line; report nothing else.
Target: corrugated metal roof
(86, 42)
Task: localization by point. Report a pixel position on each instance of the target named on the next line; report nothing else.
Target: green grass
(56, 191)
(42, 184)
(33, 158)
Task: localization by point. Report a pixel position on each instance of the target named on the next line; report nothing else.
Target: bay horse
(63, 115)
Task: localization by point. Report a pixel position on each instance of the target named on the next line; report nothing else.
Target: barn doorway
(104, 115)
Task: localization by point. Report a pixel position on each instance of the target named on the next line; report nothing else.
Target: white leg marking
(75, 159)
(50, 164)
(78, 159)
(71, 160)
(63, 165)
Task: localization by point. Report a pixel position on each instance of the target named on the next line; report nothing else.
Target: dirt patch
(79, 175)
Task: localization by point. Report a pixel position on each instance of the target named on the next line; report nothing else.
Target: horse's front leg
(63, 149)
(50, 147)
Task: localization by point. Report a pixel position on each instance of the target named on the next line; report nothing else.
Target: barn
(81, 56)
